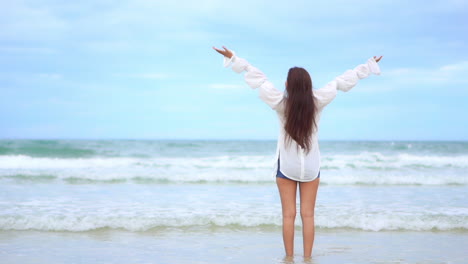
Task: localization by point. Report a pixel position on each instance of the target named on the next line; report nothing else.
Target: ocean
(204, 201)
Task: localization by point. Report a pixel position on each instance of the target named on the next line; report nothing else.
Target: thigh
(308, 193)
(287, 189)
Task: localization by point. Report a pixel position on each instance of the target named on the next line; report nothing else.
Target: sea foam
(78, 223)
(372, 168)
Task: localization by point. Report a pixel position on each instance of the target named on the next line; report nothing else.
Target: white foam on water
(68, 214)
(27, 162)
(364, 160)
(371, 168)
(392, 178)
(225, 162)
(379, 160)
(77, 223)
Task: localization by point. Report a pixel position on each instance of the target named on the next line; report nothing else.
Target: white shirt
(294, 162)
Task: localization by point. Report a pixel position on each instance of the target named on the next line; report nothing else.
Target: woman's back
(297, 163)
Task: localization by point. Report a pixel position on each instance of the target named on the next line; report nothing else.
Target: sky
(146, 69)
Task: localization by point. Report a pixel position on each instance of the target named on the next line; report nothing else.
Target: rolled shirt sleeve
(256, 79)
(346, 81)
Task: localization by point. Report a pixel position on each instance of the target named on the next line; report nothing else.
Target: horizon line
(239, 139)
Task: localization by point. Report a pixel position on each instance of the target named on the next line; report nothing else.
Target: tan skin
(287, 189)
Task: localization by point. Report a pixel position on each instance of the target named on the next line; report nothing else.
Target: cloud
(50, 76)
(119, 20)
(148, 75)
(447, 74)
(20, 20)
(107, 46)
(24, 79)
(455, 68)
(226, 86)
(19, 49)
(377, 86)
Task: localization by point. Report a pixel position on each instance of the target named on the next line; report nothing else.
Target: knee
(307, 214)
(289, 214)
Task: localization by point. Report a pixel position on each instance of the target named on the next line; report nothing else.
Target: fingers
(226, 52)
(224, 47)
(219, 51)
(377, 59)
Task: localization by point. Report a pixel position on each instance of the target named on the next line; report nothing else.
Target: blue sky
(145, 69)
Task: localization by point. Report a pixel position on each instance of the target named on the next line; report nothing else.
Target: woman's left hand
(225, 52)
(377, 59)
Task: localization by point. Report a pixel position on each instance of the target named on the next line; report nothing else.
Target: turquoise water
(143, 201)
(143, 185)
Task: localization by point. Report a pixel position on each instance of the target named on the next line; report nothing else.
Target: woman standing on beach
(297, 152)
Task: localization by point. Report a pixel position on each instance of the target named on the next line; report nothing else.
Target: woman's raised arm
(346, 81)
(253, 77)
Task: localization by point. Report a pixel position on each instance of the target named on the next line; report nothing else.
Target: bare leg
(308, 192)
(287, 189)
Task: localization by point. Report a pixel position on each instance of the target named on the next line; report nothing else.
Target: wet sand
(229, 246)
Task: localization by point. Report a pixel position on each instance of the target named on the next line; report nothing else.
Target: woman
(297, 152)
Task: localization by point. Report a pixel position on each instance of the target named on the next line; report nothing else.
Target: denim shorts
(279, 174)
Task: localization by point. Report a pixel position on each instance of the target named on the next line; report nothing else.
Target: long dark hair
(300, 108)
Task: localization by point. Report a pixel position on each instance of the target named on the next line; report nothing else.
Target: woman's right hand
(225, 52)
(377, 60)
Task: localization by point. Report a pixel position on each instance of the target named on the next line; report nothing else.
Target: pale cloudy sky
(145, 69)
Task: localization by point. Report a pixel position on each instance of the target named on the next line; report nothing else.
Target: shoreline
(229, 246)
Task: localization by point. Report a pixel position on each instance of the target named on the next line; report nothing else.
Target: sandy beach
(229, 246)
